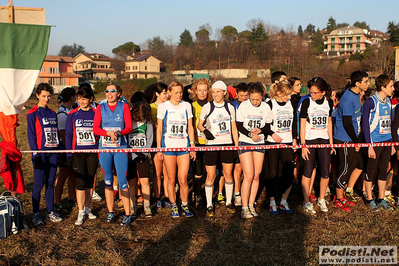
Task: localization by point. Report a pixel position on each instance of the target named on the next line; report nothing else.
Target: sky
(101, 25)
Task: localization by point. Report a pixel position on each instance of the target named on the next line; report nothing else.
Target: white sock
(272, 203)
(208, 194)
(250, 205)
(283, 201)
(82, 211)
(237, 193)
(184, 203)
(146, 204)
(245, 208)
(229, 187)
(115, 187)
(349, 189)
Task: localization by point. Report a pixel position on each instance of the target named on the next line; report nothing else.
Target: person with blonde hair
(201, 95)
(175, 130)
(283, 124)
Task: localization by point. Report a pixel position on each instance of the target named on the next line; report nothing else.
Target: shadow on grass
(229, 240)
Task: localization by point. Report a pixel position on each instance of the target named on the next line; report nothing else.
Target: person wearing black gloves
(217, 122)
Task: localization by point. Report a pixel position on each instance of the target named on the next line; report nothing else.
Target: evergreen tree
(186, 39)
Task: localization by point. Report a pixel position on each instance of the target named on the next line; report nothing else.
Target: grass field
(286, 239)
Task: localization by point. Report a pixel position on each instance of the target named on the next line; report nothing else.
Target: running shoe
(81, 218)
(110, 218)
(126, 220)
(390, 199)
(237, 201)
(37, 219)
(140, 200)
(246, 214)
(322, 203)
(221, 200)
(340, 205)
(167, 203)
(273, 209)
(312, 198)
(53, 217)
(350, 195)
(148, 212)
(209, 211)
(285, 207)
(175, 212)
(89, 214)
(308, 207)
(373, 206)
(159, 204)
(186, 211)
(231, 209)
(96, 197)
(383, 205)
(253, 212)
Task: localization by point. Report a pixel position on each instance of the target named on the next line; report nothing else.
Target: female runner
(316, 128)
(79, 135)
(283, 123)
(112, 122)
(175, 130)
(220, 130)
(43, 135)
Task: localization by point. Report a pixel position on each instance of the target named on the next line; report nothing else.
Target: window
(332, 40)
(349, 39)
(332, 47)
(341, 40)
(134, 67)
(358, 46)
(145, 68)
(358, 38)
(342, 46)
(43, 69)
(41, 80)
(128, 68)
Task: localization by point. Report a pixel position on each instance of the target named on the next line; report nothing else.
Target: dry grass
(225, 240)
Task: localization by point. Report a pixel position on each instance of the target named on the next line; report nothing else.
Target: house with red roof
(94, 66)
(58, 72)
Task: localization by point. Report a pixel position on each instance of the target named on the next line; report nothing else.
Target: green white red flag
(23, 48)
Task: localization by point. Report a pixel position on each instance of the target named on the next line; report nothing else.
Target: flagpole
(10, 11)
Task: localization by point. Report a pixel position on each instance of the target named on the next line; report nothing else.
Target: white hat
(219, 85)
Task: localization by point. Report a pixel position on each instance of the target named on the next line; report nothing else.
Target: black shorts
(140, 168)
(212, 157)
(85, 167)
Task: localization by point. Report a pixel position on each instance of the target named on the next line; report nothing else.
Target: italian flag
(22, 51)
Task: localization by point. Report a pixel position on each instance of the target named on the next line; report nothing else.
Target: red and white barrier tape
(221, 148)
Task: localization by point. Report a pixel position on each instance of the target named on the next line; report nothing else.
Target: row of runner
(215, 115)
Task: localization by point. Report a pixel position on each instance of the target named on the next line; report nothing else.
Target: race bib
(85, 136)
(222, 127)
(51, 135)
(283, 125)
(177, 129)
(137, 140)
(319, 121)
(385, 124)
(107, 141)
